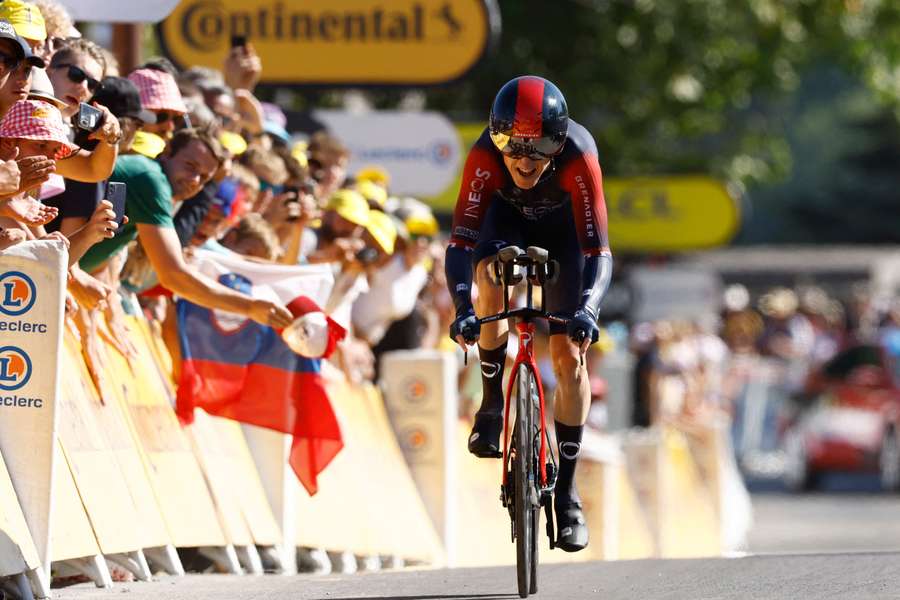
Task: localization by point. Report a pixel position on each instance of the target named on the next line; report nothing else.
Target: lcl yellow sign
(336, 42)
(662, 214)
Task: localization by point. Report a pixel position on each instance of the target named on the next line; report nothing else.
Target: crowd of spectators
(206, 165)
(689, 369)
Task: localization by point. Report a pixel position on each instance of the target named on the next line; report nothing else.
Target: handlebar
(539, 270)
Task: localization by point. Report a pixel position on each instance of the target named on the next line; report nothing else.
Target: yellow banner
(665, 214)
(335, 42)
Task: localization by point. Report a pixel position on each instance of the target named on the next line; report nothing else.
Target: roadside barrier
(462, 491)
(678, 506)
(18, 555)
(368, 503)
(32, 288)
(129, 484)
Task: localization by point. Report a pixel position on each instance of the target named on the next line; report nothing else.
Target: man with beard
(153, 189)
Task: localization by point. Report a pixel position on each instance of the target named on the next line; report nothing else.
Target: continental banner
(337, 42)
(32, 288)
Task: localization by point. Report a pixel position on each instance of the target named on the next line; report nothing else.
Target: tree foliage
(683, 85)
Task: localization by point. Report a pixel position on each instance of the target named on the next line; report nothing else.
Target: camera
(88, 117)
(367, 256)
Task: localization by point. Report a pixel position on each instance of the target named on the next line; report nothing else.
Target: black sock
(568, 440)
(492, 364)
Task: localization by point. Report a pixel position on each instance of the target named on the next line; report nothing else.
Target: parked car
(847, 420)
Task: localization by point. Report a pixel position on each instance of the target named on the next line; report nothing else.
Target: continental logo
(402, 41)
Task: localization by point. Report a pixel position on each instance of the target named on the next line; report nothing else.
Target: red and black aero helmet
(529, 117)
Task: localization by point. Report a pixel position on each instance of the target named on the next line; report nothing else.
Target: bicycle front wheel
(527, 509)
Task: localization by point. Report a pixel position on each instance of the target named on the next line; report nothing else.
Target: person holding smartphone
(75, 73)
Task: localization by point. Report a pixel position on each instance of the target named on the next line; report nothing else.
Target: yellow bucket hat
(375, 174)
(233, 142)
(298, 151)
(148, 144)
(372, 192)
(382, 228)
(350, 205)
(422, 223)
(26, 19)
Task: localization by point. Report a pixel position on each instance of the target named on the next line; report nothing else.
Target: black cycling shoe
(572, 530)
(484, 441)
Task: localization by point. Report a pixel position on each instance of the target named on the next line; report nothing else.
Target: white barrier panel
(17, 551)
(32, 288)
(421, 399)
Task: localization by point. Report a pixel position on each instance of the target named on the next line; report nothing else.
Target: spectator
(59, 27)
(188, 163)
(75, 72)
(16, 62)
(328, 159)
(160, 95)
(28, 21)
(36, 129)
(253, 237)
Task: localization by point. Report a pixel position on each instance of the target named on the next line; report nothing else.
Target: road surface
(871, 576)
(841, 543)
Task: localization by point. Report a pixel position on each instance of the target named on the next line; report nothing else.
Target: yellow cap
(148, 144)
(298, 151)
(375, 174)
(422, 223)
(351, 205)
(372, 191)
(233, 142)
(382, 228)
(26, 19)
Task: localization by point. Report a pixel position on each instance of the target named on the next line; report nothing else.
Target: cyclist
(533, 179)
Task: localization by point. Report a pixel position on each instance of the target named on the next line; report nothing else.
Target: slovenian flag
(235, 368)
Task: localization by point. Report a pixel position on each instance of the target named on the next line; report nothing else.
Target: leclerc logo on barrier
(15, 368)
(337, 42)
(17, 293)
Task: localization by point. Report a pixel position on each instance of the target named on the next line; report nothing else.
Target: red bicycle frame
(525, 356)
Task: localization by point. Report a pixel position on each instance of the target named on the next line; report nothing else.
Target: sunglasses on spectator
(77, 75)
(10, 62)
(180, 120)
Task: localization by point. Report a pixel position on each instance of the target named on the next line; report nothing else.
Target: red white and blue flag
(235, 368)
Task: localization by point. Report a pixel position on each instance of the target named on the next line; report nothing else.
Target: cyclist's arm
(583, 180)
(481, 178)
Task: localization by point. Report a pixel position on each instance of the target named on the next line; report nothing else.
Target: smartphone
(88, 117)
(115, 193)
(238, 41)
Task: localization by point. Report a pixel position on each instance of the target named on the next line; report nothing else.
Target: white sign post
(32, 298)
(421, 150)
(421, 398)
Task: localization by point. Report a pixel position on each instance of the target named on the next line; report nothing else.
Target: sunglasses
(534, 148)
(10, 62)
(180, 120)
(77, 75)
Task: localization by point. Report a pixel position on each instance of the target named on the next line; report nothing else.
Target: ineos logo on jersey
(473, 204)
(17, 293)
(15, 368)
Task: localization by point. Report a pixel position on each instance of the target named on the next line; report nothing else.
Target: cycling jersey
(492, 212)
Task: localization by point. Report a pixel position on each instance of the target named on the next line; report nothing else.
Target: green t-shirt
(148, 200)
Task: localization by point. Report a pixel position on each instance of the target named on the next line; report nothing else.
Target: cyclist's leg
(572, 397)
(498, 230)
